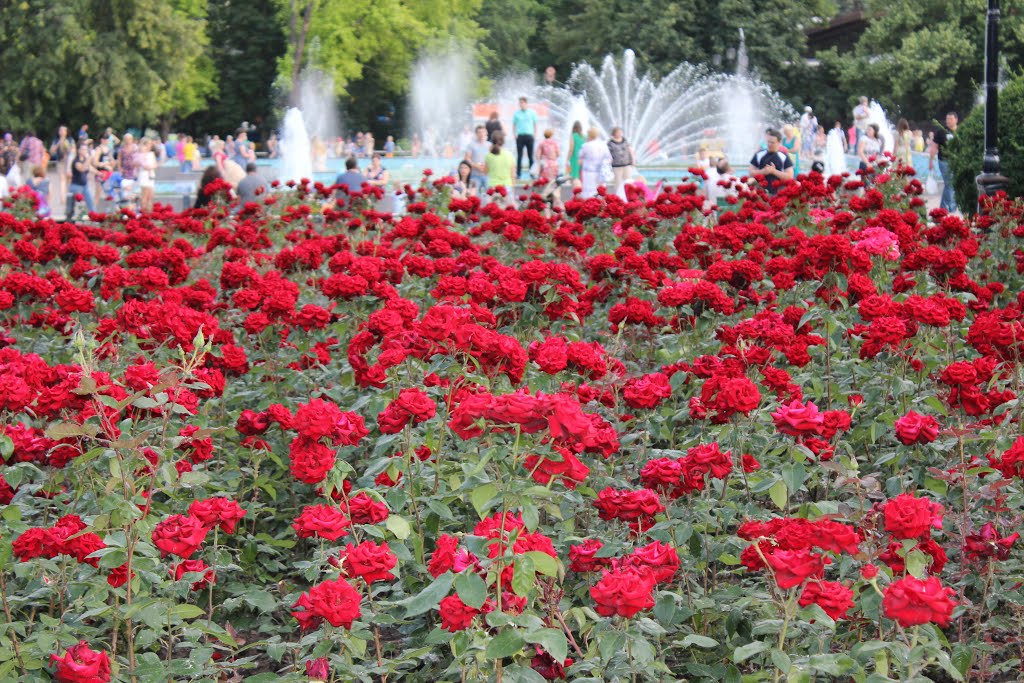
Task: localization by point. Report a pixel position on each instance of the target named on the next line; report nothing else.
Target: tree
(923, 57)
(968, 146)
(118, 62)
(342, 37)
(245, 42)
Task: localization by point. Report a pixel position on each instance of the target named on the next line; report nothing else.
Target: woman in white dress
(147, 175)
(594, 158)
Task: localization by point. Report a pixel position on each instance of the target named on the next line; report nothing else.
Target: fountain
(690, 107)
(296, 157)
(440, 97)
(316, 116)
(876, 115)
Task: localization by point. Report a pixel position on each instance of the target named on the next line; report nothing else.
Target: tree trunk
(299, 45)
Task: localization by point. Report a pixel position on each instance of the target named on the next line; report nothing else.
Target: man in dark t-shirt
(773, 163)
(942, 138)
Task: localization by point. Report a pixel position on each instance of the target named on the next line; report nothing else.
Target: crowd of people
(116, 171)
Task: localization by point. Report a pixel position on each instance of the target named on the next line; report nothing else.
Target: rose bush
(632, 440)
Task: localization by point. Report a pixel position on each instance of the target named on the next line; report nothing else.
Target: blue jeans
(948, 200)
(113, 186)
(74, 189)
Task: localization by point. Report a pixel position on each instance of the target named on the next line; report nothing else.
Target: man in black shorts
(773, 163)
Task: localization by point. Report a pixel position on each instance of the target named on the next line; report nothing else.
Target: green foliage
(923, 57)
(968, 147)
(118, 63)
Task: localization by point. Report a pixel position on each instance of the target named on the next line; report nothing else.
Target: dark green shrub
(968, 147)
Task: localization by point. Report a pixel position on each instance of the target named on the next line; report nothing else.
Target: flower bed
(627, 442)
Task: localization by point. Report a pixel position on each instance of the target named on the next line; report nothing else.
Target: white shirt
(13, 178)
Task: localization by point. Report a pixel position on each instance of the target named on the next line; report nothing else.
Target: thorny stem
(10, 621)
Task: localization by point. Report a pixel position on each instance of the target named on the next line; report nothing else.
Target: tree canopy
(209, 64)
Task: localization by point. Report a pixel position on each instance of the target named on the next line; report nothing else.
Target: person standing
(791, 144)
(147, 175)
(808, 127)
(622, 159)
(499, 166)
(575, 145)
(41, 187)
(81, 169)
(938, 149)
(861, 113)
(524, 124)
(8, 154)
(493, 125)
(61, 151)
(594, 156)
(869, 147)
(773, 163)
(476, 153)
(903, 143)
(33, 147)
(548, 153)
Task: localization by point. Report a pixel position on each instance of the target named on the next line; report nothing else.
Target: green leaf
(261, 600)
(779, 494)
(186, 611)
(699, 641)
(471, 588)
(545, 564)
(552, 640)
(399, 526)
(524, 578)
(745, 652)
(781, 660)
(429, 597)
(480, 496)
(505, 644)
(794, 474)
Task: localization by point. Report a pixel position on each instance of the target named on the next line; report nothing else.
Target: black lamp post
(991, 180)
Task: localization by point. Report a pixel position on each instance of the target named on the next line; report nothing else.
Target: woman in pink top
(548, 152)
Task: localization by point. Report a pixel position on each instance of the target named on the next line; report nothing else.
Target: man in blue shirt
(524, 124)
(349, 182)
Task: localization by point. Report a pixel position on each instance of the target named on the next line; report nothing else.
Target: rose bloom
(179, 535)
(646, 392)
(80, 664)
(217, 511)
(335, 601)
(913, 428)
(623, 592)
(793, 567)
(369, 561)
(660, 558)
(912, 601)
(798, 419)
(907, 516)
(833, 597)
(323, 521)
(457, 615)
(583, 558)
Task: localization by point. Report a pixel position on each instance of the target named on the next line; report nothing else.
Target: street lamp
(990, 180)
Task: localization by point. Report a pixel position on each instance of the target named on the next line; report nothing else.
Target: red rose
(369, 561)
(118, 576)
(217, 511)
(443, 557)
(907, 516)
(318, 669)
(194, 566)
(179, 535)
(335, 601)
(310, 460)
(831, 596)
(365, 510)
(623, 592)
(583, 558)
(317, 419)
(457, 615)
(323, 521)
(913, 428)
(569, 468)
(987, 544)
(798, 419)
(912, 601)
(646, 392)
(80, 664)
(661, 558)
(793, 567)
